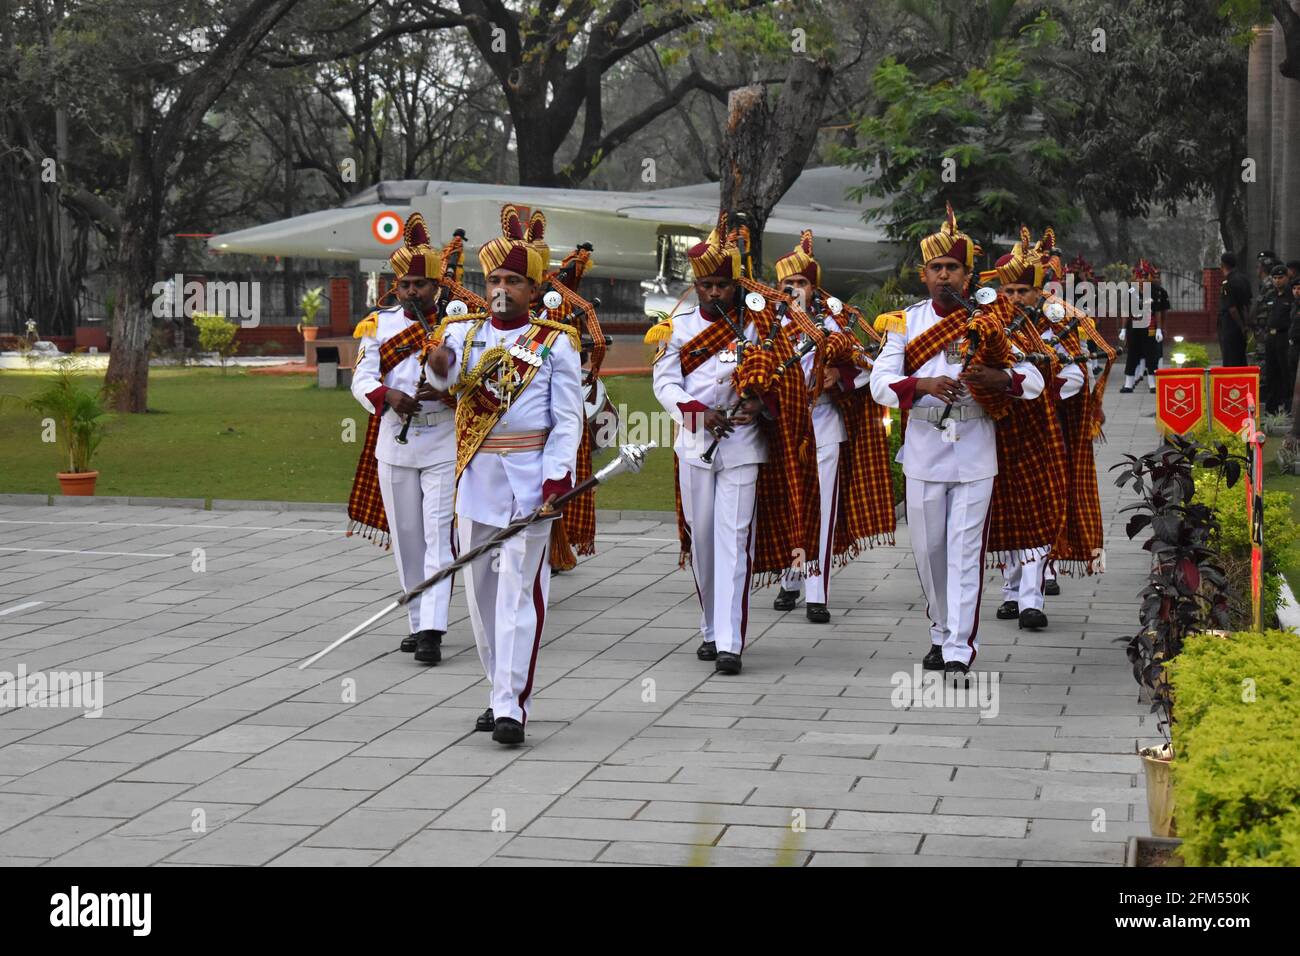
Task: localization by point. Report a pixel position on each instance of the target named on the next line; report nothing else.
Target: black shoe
(1051, 588)
(485, 721)
(957, 672)
(728, 663)
(508, 731)
(707, 651)
(933, 661)
(818, 614)
(1009, 611)
(1126, 391)
(1031, 617)
(408, 643)
(786, 600)
(428, 650)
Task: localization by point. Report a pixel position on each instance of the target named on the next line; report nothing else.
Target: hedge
(1236, 737)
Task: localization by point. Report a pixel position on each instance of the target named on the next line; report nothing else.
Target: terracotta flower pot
(78, 482)
(309, 333)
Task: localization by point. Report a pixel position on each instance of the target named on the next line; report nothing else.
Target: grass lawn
(267, 437)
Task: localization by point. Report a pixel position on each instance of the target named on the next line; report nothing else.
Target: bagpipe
(987, 343)
(758, 369)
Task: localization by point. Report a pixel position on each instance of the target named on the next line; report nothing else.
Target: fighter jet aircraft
(636, 235)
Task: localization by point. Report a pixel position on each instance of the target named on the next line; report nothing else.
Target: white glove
(1122, 333)
(1160, 335)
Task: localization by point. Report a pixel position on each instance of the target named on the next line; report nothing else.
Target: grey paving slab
(214, 749)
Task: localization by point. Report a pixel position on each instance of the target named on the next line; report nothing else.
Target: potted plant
(1187, 589)
(74, 417)
(310, 304)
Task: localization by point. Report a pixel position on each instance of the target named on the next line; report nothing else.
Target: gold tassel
(895, 322)
(369, 326)
(659, 333)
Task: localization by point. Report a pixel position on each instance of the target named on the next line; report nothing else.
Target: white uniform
(717, 499)
(829, 433)
(416, 479)
(949, 485)
(507, 590)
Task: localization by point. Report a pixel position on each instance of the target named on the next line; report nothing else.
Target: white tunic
(427, 445)
(711, 386)
(925, 454)
(552, 402)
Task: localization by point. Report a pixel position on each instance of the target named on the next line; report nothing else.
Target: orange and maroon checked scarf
(1078, 546)
(785, 480)
(366, 503)
(866, 494)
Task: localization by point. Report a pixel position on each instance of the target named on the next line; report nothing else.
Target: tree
(551, 63)
(964, 125)
(766, 146)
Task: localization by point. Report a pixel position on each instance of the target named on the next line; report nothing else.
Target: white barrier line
(19, 607)
(112, 554)
(196, 527)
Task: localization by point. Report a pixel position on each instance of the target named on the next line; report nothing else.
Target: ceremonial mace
(630, 458)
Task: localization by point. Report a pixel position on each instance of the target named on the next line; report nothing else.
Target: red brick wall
(95, 336)
(340, 305)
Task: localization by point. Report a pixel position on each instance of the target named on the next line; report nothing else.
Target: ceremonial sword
(630, 458)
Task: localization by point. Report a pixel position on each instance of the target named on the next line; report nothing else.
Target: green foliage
(887, 297)
(216, 335)
(1236, 737)
(970, 108)
(1196, 355)
(311, 303)
(78, 413)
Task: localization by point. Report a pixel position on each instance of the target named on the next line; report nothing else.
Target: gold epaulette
(895, 322)
(367, 326)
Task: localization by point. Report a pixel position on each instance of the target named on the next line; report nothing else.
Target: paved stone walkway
(214, 749)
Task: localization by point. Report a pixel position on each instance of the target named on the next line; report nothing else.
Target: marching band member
(743, 490)
(519, 419)
(405, 477)
(1028, 507)
(950, 470)
(854, 481)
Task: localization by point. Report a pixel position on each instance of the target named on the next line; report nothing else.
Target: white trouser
(417, 503)
(948, 524)
(1023, 583)
(828, 477)
(719, 510)
(1049, 571)
(507, 590)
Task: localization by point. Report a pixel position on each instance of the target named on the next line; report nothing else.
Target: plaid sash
(1028, 506)
(1078, 546)
(365, 502)
(866, 493)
